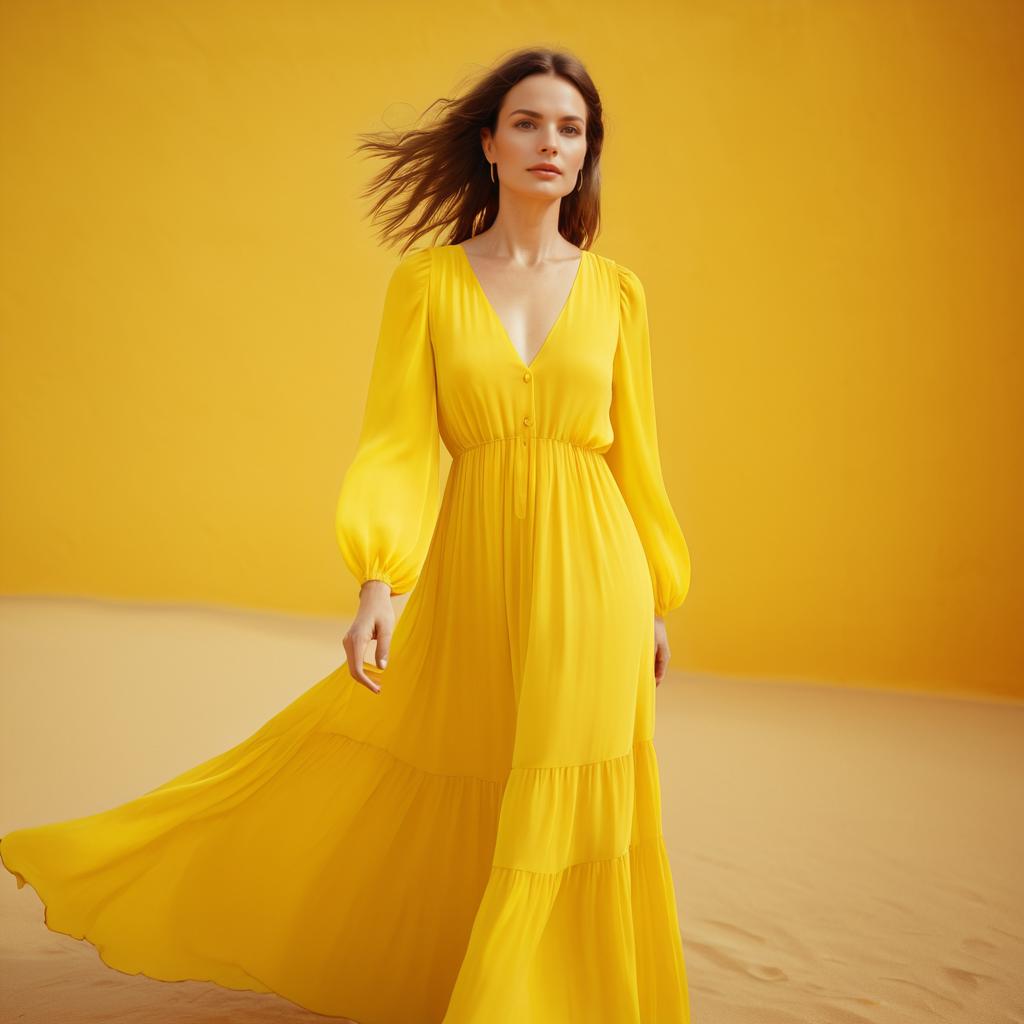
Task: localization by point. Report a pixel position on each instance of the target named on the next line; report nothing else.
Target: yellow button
(527, 421)
(526, 376)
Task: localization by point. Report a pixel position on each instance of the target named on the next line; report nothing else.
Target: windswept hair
(436, 176)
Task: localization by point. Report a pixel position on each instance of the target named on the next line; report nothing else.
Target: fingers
(355, 642)
(357, 672)
(661, 659)
(383, 646)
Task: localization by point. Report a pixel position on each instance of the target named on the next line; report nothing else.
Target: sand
(840, 855)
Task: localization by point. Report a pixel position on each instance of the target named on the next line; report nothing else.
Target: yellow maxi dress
(481, 842)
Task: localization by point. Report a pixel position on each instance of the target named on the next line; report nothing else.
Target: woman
(466, 830)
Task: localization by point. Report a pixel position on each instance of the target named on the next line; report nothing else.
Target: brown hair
(441, 172)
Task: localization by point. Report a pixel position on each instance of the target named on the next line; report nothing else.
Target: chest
(526, 304)
(486, 383)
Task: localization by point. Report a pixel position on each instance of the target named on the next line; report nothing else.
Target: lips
(544, 167)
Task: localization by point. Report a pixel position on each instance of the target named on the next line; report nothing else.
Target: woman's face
(542, 120)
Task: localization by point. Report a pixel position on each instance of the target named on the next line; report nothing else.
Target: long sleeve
(388, 504)
(634, 456)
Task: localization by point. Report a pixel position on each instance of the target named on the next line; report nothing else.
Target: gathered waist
(519, 452)
(533, 437)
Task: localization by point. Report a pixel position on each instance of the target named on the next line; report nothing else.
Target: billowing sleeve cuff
(389, 498)
(634, 456)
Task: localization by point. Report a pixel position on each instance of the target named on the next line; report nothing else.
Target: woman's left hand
(661, 649)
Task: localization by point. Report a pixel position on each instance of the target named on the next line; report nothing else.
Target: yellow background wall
(823, 201)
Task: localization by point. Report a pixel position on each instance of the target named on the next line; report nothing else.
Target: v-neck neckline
(497, 319)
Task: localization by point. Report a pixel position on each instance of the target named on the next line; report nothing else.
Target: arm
(634, 456)
(388, 503)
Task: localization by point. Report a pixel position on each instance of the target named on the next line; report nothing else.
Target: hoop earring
(492, 171)
(579, 187)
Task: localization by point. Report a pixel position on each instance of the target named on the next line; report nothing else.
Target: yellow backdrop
(823, 201)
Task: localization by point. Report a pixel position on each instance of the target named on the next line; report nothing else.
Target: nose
(550, 147)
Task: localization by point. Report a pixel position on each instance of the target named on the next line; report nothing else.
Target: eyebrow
(534, 113)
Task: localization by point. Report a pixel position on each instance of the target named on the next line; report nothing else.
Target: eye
(574, 129)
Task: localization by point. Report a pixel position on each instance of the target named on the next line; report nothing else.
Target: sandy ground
(840, 856)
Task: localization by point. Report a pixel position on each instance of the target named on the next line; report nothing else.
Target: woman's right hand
(375, 620)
